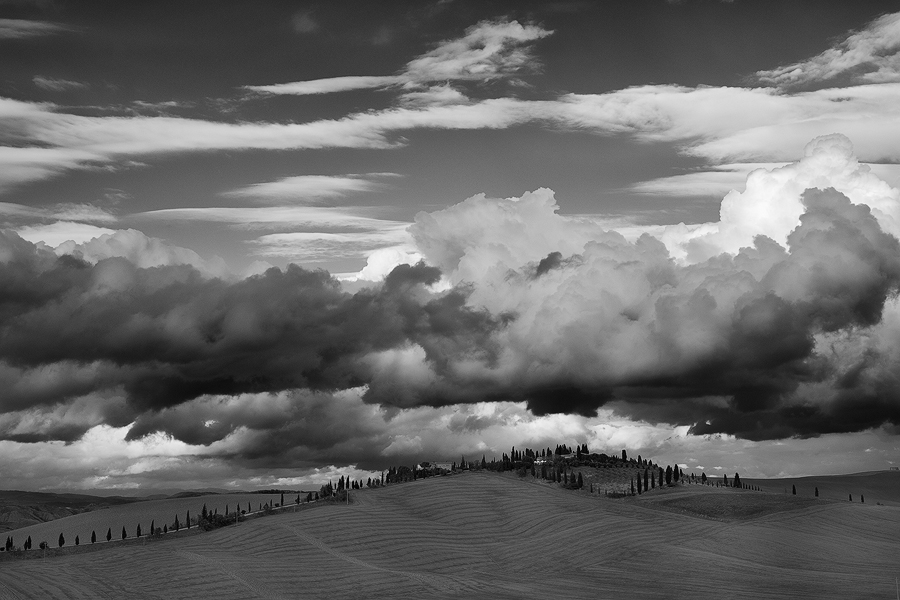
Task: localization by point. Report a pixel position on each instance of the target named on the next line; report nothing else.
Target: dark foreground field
(484, 536)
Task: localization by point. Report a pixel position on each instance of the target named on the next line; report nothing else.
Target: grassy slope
(19, 509)
(876, 486)
(129, 515)
(484, 536)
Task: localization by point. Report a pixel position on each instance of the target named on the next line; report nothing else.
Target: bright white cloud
(870, 56)
(310, 188)
(60, 232)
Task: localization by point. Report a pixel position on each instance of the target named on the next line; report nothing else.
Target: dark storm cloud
(167, 335)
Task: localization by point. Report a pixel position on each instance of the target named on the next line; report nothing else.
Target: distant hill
(876, 486)
(20, 509)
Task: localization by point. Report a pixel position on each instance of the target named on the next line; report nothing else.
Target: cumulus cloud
(871, 55)
(730, 335)
(163, 335)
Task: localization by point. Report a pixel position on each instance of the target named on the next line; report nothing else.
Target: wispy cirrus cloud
(871, 55)
(18, 29)
(488, 50)
(320, 246)
(53, 84)
(310, 189)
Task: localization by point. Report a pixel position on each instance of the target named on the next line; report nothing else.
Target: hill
(20, 509)
(876, 486)
(479, 535)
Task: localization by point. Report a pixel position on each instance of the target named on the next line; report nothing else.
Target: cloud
(60, 232)
(18, 29)
(329, 85)
(323, 246)
(737, 125)
(871, 55)
(716, 181)
(304, 189)
(159, 336)
(730, 335)
(489, 50)
(52, 84)
(303, 22)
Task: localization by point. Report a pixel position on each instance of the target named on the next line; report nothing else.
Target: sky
(256, 244)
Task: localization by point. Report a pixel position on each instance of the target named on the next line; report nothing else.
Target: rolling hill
(479, 535)
(129, 515)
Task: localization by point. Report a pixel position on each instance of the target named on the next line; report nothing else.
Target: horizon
(275, 244)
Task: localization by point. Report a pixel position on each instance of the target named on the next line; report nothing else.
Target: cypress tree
(62, 540)
(187, 523)
(794, 490)
(28, 543)
(124, 533)
(93, 537)
(668, 475)
(165, 528)
(152, 527)
(282, 498)
(639, 491)
(138, 530)
(851, 497)
(632, 486)
(645, 480)
(77, 541)
(862, 498)
(653, 479)
(817, 492)
(580, 481)
(109, 534)
(737, 480)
